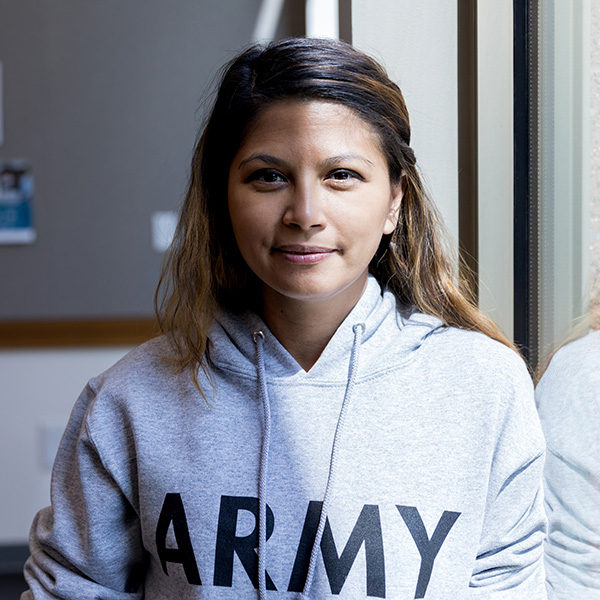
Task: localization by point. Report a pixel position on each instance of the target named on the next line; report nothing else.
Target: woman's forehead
(324, 122)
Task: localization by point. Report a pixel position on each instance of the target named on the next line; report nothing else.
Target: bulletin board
(103, 103)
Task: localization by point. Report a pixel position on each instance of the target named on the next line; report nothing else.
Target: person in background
(568, 398)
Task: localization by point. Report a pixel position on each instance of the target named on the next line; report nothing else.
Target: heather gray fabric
(437, 487)
(568, 399)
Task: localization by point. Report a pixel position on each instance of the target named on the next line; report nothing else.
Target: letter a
(173, 512)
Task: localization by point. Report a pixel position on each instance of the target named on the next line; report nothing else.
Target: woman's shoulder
(477, 350)
(579, 357)
(452, 348)
(147, 375)
(479, 376)
(140, 364)
(568, 400)
(465, 361)
(145, 387)
(573, 375)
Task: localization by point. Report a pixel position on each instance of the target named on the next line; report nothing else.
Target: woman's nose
(305, 207)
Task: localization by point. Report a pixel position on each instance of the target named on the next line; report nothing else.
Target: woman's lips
(306, 255)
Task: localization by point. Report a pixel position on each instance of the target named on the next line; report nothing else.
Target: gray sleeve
(509, 562)
(568, 399)
(70, 558)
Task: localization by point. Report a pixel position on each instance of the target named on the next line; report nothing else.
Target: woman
(568, 398)
(321, 386)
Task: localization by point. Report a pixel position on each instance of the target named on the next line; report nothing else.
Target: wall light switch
(164, 224)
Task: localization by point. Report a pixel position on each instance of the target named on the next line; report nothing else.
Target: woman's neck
(304, 328)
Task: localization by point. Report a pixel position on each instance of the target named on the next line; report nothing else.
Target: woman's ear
(395, 202)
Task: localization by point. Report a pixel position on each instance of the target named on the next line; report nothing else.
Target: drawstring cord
(354, 356)
(258, 337)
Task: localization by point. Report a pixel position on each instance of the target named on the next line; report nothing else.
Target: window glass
(594, 244)
(562, 169)
(566, 179)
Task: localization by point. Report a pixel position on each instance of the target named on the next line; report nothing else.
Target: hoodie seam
(115, 474)
(289, 381)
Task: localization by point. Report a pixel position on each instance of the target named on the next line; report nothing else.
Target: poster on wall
(1, 110)
(16, 199)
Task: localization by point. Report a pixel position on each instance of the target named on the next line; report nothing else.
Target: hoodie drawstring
(258, 338)
(353, 368)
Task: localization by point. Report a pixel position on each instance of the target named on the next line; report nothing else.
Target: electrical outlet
(50, 436)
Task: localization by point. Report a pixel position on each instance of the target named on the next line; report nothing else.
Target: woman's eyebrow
(335, 160)
(265, 158)
(327, 163)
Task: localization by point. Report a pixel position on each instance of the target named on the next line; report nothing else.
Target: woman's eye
(345, 175)
(266, 176)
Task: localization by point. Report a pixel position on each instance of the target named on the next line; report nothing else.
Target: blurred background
(100, 104)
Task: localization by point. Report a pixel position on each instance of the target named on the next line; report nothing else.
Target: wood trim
(101, 332)
(468, 176)
(345, 20)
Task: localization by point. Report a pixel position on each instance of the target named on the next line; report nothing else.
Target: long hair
(204, 269)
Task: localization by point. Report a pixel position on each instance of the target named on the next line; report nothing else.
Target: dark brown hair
(205, 270)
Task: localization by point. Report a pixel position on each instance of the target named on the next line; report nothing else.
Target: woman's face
(309, 199)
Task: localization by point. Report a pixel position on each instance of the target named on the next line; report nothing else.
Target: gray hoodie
(411, 453)
(568, 398)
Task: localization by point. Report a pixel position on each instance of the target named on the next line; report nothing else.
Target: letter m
(367, 530)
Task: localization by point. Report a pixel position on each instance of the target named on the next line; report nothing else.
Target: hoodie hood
(232, 345)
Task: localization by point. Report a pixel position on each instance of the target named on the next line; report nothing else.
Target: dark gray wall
(104, 98)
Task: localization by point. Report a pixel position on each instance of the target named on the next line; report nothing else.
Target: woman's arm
(88, 543)
(510, 556)
(569, 404)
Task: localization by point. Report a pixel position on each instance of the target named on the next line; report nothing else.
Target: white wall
(495, 139)
(38, 390)
(417, 42)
